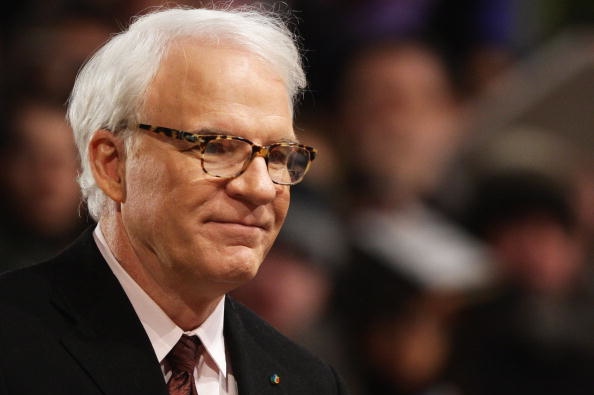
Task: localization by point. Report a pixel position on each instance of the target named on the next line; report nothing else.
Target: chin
(240, 268)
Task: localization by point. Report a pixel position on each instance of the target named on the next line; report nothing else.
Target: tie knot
(184, 355)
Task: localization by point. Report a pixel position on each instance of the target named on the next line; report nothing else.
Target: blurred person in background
(41, 202)
(400, 124)
(399, 109)
(532, 333)
(397, 326)
(41, 205)
(530, 225)
(400, 127)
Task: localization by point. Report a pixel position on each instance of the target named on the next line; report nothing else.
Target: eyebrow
(295, 141)
(216, 132)
(210, 132)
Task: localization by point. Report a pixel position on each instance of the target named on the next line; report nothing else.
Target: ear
(106, 156)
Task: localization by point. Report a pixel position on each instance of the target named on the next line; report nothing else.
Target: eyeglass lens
(228, 158)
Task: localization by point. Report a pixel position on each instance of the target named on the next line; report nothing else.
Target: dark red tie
(182, 359)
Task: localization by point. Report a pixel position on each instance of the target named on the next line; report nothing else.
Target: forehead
(398, 66)
(219, 87)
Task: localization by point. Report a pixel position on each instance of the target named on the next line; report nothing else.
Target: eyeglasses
(229, 156)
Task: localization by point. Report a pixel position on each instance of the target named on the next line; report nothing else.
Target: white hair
(109, 90)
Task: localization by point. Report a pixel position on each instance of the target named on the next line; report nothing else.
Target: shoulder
(28, 315)
(32, 282)
(26, 285)
(29, 291)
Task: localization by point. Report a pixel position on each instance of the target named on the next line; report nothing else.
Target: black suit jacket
(67, 327)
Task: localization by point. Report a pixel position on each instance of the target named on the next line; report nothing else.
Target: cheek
(281, 205)
(155, 180)
(145, 185)
(151, 199)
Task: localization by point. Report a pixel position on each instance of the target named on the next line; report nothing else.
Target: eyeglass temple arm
(173, 133)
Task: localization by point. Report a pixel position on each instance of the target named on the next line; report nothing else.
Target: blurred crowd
(428, 252)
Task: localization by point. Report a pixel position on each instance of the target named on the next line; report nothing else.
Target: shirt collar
(163, 333)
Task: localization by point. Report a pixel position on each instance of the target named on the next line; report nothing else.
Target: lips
(241, 223)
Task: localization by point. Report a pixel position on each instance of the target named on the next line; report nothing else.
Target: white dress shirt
(212, 374)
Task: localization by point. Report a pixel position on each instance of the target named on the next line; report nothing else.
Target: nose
(254, 184)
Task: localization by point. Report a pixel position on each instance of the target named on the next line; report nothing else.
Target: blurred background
(443, 242)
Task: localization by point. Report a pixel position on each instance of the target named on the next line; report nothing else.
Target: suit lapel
(106, 337)
(253, 366)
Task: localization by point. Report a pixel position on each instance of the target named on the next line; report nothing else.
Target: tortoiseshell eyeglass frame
(257, 150)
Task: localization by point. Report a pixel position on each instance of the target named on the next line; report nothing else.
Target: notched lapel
(102, 331)
(253, 366)
(116, 368)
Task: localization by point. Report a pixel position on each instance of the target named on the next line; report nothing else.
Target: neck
(184, 302)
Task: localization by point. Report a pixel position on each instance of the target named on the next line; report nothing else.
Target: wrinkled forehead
(196, 68)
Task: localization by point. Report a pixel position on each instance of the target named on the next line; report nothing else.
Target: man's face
(186, 227)
(45, 197)
(401, 114)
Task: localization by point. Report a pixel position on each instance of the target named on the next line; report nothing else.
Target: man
(39, 208)
(184, 125)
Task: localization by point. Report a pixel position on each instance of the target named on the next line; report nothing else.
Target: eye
(278, 155)
(195, 149)
(219, 147)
